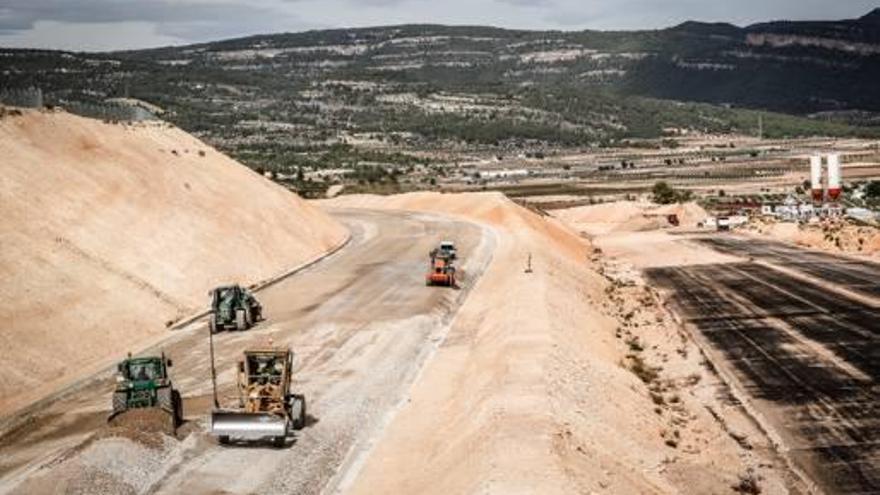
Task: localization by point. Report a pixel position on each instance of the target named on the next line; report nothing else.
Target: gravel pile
(111, 465)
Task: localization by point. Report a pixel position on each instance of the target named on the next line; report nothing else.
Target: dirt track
(362, 324)
(806, 353)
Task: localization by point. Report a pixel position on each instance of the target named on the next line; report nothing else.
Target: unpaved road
(808, 355)
(362, 324)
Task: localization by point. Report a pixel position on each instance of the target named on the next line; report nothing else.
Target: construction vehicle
(233, 308)
(266, 407)
(442, 271)
(448, 249)
(143, 383)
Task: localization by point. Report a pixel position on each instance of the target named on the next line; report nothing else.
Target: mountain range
(485, 85)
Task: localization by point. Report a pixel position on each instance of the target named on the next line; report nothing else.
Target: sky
(95, 25)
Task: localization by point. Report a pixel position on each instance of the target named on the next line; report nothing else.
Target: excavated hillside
(110, 232)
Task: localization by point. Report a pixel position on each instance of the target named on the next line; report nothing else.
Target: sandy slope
(830, 235)
(628, 216)
(531, 392)
(110, 231)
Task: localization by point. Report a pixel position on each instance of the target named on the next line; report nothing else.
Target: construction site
(179, 323)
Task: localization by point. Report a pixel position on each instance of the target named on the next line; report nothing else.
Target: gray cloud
(178, 20)
(23, 14)
(528, 3)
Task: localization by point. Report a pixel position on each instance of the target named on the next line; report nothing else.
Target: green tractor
(144, 398)
(233, 308)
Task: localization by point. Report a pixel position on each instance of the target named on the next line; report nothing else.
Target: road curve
(362, 325)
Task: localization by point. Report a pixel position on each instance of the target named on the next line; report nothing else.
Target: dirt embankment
(110, 231)
(835, 236)
(556, 381)
(628, 216)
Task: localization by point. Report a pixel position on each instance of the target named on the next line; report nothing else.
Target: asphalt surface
(362, 324)
(807, 354)
(859, 276)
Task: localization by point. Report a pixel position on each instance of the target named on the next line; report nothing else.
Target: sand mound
(528, 394)
(832, 236)
(689, 214)
(628, 216)
(110, 231)
(608, 217)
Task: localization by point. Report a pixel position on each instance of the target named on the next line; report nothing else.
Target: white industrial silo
(833, 177)
(816, 177)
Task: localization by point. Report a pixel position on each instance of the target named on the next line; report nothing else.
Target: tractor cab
(226, 299)
(148, 372)
(447, 249)
(266, 367)
(143, 383)
(234, 307)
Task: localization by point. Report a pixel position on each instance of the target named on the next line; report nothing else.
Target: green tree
(665, 194)
(872, 191)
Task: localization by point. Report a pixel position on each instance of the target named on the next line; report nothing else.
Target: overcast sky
(123, 24)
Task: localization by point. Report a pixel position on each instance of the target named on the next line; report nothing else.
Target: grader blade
(247, 426)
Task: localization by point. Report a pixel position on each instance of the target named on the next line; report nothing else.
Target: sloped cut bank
(111, 231)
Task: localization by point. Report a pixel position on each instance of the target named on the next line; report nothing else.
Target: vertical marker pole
(213, 369)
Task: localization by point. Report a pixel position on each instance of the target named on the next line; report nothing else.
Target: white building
(504, 174)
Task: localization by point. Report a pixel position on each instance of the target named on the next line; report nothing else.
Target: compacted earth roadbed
(361, 324)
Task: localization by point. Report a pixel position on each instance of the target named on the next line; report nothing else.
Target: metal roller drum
(247, 426)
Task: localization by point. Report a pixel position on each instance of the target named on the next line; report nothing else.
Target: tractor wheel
(120, 402)
(165, 400)
(278, 442)
(240, 320)
(178, 408)
(248, 316)
(298, 412)
(223, 439)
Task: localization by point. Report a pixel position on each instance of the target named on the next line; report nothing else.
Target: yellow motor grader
(266, 409)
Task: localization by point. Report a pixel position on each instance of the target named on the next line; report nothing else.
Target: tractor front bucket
(148, 419)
